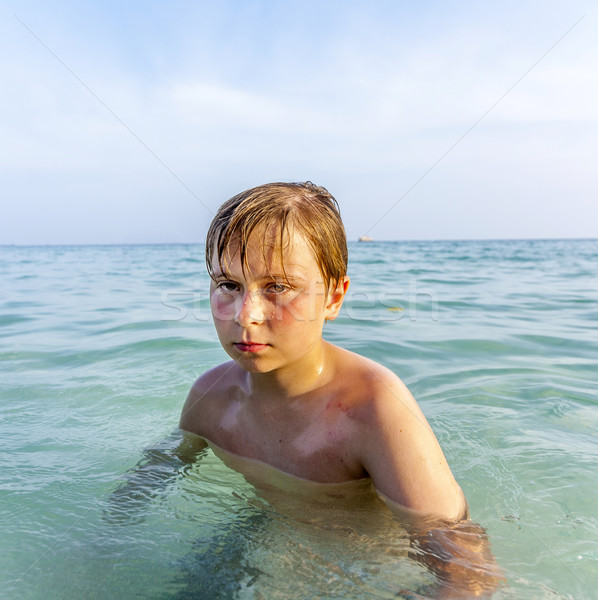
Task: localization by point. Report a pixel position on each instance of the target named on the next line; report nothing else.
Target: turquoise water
(98, 346)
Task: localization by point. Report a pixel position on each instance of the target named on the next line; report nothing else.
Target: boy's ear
(335, 299)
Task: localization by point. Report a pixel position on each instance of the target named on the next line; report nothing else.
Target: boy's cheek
(223, 309)
(305, 308)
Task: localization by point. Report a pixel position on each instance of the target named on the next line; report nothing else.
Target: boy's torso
(315, 436)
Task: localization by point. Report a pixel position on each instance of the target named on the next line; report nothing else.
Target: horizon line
(355, 241)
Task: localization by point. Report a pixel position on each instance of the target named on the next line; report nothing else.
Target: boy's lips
(250, 346)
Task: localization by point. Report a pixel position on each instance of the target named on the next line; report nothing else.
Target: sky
(131, 122)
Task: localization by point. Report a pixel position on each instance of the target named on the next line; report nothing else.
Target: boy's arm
(410, 472)
(158, 466)
(403, 458)
(459, 555)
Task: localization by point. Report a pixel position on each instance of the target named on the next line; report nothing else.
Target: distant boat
(366, 238)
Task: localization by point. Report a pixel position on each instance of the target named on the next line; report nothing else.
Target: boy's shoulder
(375, 400)
(218, 378)
(209, 390)
(380, 403)
(371, 384)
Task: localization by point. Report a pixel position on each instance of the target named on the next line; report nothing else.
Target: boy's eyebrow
(218, 274)
(281, 276)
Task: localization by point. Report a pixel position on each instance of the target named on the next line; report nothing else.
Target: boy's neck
(294, 380)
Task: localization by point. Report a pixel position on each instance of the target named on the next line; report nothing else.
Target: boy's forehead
(268, 248)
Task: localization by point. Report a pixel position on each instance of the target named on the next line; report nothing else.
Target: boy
(277, 257)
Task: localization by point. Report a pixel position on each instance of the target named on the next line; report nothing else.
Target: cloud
(364, 99)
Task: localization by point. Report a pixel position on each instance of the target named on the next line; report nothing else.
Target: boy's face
(267, 318)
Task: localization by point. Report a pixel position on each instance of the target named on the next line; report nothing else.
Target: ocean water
(497, 341)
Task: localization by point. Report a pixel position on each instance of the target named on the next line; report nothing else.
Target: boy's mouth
(250, 346)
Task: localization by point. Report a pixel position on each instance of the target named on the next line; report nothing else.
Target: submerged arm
(459, 555)
(457, 552)
(157, 468)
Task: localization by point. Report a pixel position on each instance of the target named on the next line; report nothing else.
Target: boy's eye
(278, 288)
(227, 286)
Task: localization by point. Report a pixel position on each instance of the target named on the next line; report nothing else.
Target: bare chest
(314, 445)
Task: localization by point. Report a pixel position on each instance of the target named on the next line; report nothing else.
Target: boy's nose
(251, 310)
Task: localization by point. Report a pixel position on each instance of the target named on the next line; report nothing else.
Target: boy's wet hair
(305, 208)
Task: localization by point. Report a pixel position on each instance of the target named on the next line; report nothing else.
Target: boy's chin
(251, 364)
